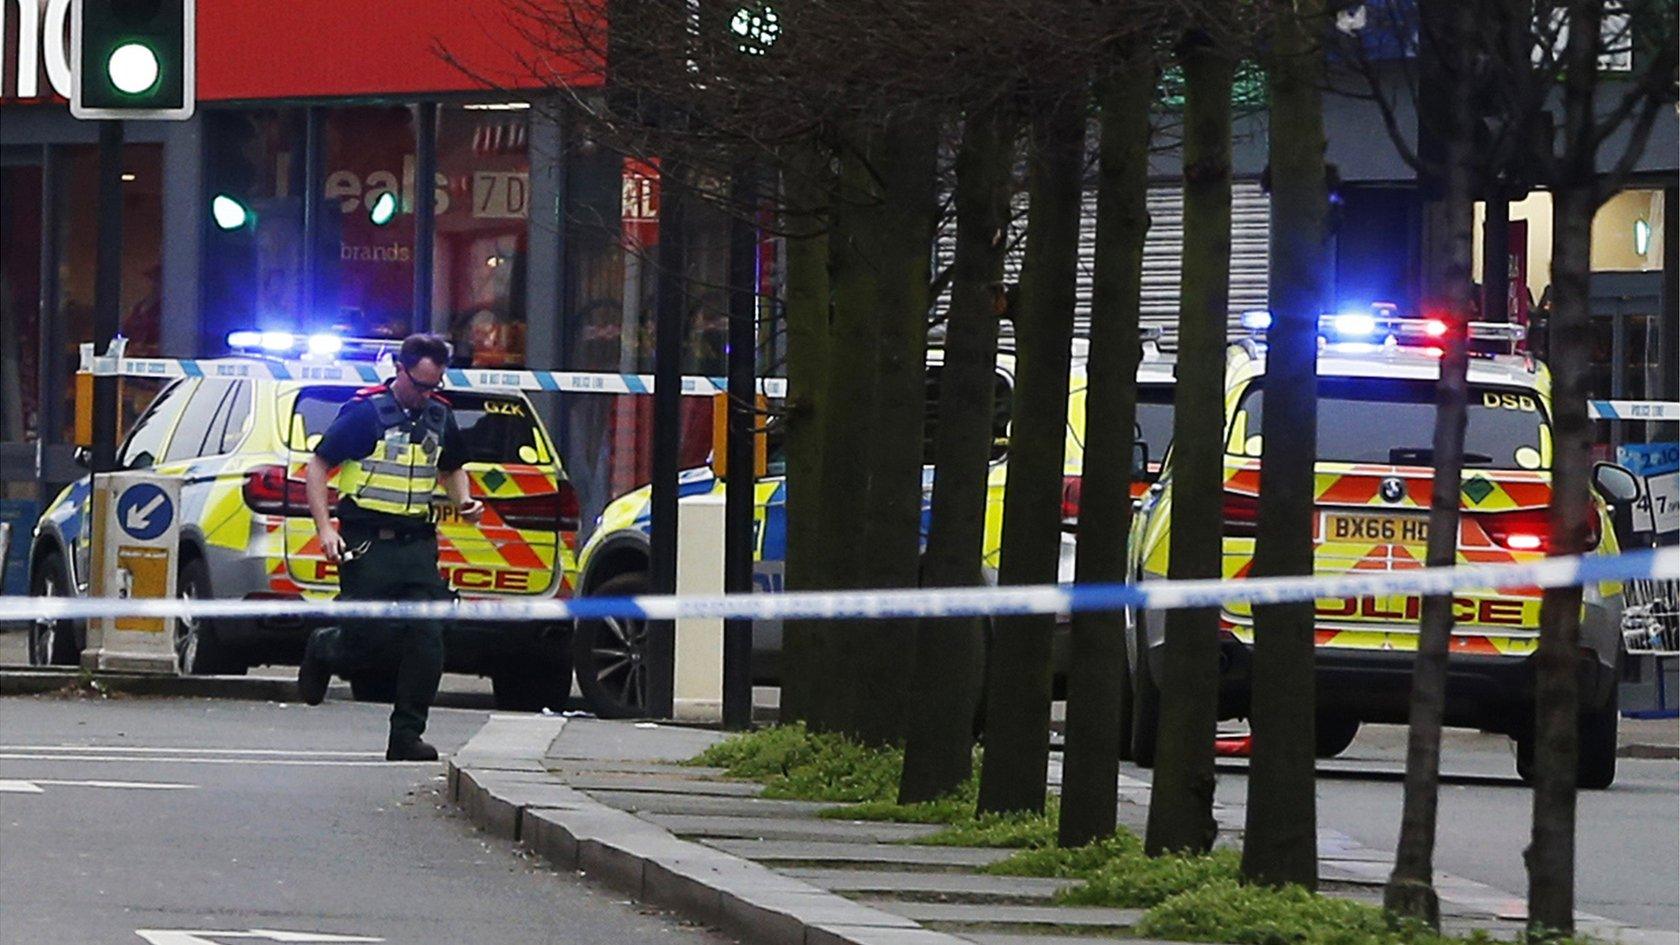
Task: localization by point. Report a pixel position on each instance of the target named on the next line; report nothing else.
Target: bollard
(697, 695)
(136, 525)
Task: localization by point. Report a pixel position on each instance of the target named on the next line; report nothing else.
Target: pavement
(614, 801)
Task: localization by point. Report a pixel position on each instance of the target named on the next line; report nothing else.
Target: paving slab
(967, 913)
(638, 801)
(641, 741)
(812, 852)
(1020, 938)
(788, 828)
(967, 886)
(575, 767)
(516, 741)
(875, 935)
(662, 784)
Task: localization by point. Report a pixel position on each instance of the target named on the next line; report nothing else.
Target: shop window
(479, 251)
(366, 259)
(253, 256)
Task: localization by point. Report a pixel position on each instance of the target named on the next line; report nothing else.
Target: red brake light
(1071, 486)
(1531, 529)
(1242, 515)
(270, 491)
(548, 511)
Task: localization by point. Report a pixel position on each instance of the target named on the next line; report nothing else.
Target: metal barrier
(1651, 617)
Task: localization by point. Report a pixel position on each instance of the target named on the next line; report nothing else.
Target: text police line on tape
(914, 602)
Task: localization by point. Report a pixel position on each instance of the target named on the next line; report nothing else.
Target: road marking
(130, 759)
(33, 785)
(209, 937)
(135, 749)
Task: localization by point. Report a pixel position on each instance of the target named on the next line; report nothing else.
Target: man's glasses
(428, 388)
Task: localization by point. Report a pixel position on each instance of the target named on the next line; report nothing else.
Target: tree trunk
(1557, 697)
(1280, 842)
(804, 660)
(1012, 777)
(847, 416)
(1410, 891)
(1098, 680)
(950, 652)
(1181, 802)
(903, 221)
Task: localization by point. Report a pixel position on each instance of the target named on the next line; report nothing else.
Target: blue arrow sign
(144, 511)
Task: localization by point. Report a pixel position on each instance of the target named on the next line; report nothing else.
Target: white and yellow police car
(239, 445)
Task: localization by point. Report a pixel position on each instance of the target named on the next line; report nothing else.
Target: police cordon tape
(903, 603)
(571, 382)
(372, 372)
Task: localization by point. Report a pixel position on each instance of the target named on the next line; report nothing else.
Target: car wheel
(1146, 707)
(1333, 734)
(610, 655)
(198, 652)
(1595, 763)
(374, 687)
(1595, 760)
(544, 681)
(52, 642)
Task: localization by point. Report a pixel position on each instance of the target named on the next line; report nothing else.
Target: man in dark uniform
(393, 443)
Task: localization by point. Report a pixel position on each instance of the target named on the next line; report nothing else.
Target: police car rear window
(1374, 420)
(496, 429)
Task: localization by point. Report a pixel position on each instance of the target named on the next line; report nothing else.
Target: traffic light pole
(742, 414)
(107, 292)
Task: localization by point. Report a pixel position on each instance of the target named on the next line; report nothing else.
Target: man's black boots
(409, 748)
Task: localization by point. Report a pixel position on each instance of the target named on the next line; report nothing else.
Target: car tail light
(270, 491)
(1071, 486)
(1531, 529)
(550, 511)
(1242, 515)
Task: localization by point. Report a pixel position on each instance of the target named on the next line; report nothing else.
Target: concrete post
(697, 694)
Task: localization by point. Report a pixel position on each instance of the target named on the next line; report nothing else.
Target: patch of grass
(1134, 881)
(1224, 910)
(1077, 862)
(1025, 830)
(794, 762)
(954, 809)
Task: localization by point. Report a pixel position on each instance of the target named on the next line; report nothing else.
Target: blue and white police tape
(372, 372)
(1633, 409)
(915, 602)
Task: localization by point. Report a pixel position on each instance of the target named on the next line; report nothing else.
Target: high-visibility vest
(398, 477)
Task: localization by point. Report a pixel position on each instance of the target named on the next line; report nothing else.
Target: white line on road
(33, 785)
(139, 750)
(208, 937)
(130, 759)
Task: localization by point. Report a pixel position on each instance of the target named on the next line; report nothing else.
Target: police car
(614, 561)
(238, 433)
(1376, 415)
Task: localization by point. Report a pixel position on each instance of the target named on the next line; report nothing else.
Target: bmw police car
(1376, 415)
(238, 432)
(614, 560)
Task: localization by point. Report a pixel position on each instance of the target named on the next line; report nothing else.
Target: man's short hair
(421, 346)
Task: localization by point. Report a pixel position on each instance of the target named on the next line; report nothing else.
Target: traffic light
(132, 59)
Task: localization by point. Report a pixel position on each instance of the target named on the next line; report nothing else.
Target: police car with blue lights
(238, 431)
(1377, 378)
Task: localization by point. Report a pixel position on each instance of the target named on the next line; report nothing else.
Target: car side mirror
(82, 457)
(1615, 483)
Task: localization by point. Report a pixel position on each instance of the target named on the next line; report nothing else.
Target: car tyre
(610, 655)
(1595, 760)
(198, 651)
(543, 681)
(1146, 707)
(376, 686)
(1332, 734)
(53, 642)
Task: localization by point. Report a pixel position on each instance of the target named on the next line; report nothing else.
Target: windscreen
(1155, 418)
(496, 428)
(1379, 420)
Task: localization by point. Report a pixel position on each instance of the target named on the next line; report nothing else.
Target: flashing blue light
(1354, 325)
(266, 340)
(325, 345)
(1257, 320)
(244, 339)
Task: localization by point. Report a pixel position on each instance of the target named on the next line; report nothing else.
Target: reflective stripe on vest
(399, 476)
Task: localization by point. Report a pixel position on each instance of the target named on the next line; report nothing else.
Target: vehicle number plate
(1387, 529)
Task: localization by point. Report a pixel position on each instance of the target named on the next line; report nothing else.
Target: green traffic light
(229, 213)
(384, 209)
(133, 68)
